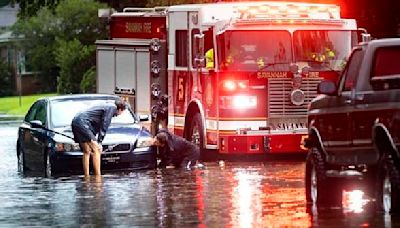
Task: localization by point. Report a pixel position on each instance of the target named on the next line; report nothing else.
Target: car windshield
(62, 112)
(257, 51)
(323, 49)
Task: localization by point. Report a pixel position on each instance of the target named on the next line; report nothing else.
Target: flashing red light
(229, 85)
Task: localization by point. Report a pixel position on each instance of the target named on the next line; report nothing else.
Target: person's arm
(109, 112)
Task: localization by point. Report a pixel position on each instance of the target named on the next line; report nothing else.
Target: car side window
(351, 72)
(32, 112)
(41, 113)
(385, 70)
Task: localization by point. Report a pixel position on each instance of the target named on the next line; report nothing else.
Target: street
(237, 194)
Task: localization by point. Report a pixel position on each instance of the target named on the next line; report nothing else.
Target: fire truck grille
(279, 90)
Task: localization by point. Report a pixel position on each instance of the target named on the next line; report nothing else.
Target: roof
(8, 15)
(80, 97)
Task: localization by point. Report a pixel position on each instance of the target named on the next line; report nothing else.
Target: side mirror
(199, 59)
(36, 124)
(327, 87)
(143, 118)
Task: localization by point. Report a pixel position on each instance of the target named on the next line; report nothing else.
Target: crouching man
(176, 150)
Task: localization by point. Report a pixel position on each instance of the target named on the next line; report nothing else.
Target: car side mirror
(327, 87)
(143, 118)
(36, 124)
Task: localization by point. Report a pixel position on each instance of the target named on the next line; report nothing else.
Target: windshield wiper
(272, 64)
(323, 64)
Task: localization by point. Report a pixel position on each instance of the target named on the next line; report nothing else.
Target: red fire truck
(239, 76)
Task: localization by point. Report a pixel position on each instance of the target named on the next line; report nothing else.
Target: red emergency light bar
(288, 21)
(290, 10)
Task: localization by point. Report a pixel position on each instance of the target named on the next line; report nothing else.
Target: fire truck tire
(320, 190)
(196, 133)
(388, 186)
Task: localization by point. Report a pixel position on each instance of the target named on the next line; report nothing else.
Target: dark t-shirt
(93, 121)
(178, 148)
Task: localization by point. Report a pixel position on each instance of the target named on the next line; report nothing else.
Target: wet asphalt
(265, 193)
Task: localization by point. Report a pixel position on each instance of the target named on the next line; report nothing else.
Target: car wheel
(320, 190)
(388, 190)
(21, 160)
(48, 171)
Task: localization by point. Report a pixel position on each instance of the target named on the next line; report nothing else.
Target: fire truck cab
(239, 76)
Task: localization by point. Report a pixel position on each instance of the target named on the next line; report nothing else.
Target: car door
(376, 101)
(39, 136)
(339, 120)
(25, 135)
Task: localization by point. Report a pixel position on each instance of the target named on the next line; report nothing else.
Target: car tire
(320, 190)
(48, 169)
(21, 160)
(388, 189)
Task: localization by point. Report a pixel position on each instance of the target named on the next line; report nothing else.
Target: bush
(6, 80)
(74, 59)
(88, 83)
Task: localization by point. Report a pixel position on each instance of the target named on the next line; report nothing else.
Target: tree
(6, 80)
(73, 25)
(38, 34)
(29, 8)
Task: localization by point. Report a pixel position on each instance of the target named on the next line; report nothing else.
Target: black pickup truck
(354, 129)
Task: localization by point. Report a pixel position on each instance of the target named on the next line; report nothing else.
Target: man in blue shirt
(89, 123)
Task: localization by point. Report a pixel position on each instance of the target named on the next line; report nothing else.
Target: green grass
(11, 105)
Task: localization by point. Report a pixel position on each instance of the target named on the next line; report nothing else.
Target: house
(24, 82)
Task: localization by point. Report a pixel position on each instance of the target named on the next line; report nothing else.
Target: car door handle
(349, 101)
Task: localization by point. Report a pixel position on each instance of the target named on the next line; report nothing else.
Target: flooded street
(238, 194)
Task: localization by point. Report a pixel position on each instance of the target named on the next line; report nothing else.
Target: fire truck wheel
(320, 190)
(195, 133)
(388, 188)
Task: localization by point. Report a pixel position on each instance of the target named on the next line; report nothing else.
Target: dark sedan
(45, 140)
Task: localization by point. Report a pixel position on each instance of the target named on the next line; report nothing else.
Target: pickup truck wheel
(388, 190)
(320, 190)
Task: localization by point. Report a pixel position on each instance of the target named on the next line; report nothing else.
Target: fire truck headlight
(244, 102)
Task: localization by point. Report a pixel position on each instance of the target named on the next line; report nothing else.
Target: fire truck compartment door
(105, 70)
(132, 70)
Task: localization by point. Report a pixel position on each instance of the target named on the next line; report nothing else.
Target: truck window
(350, 74)
(181, 52)
(386, 62)
(330, 48)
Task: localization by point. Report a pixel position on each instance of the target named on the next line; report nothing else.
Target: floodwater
(236, 194)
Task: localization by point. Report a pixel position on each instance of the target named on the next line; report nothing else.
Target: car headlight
(144, 142)
(67, 147)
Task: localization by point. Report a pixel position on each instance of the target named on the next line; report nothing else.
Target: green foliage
(39, 34)
(29, 8)
(6, 85)
(74, 59)
(54, 38)
(88, 83)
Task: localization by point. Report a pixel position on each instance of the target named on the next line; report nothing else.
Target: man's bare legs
(96, 158)
(91, 148)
